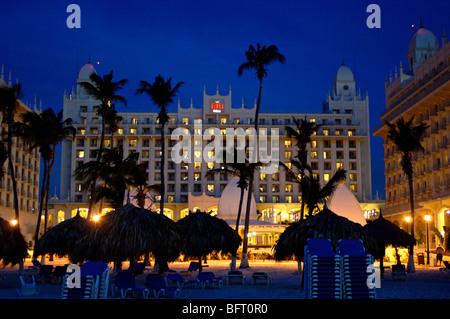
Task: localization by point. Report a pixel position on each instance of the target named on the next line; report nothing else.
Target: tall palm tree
(302, 134)
(9, 101)
(3, 158)
(257, 59)
(407, 138)
(103, 89)
(161, 93)
(138, 180)
(243, 171)
(44, 131)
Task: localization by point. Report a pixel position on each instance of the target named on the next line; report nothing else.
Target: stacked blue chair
(355, 268)
(322, 270)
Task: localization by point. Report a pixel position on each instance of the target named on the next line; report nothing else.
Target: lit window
(353, 188)
(287, 143)
(262, 177)
(325, 132)
(289, 199)
(287, 154)
(351, 132)
(236, 121)
(314, 144)
(120, 131)
(197, 176)
(197, 165)
(80, 154)
(339, 165)
(133, 131)
(326, 177)
(210, 165)
(223, 120)
(185, 121)
(210, 188)
(338, 132)
(313, 154)
(134, 120)
(132, 143)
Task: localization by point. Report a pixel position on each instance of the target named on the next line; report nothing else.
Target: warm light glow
(412, 25)
(407, 219)
(427, 217)
(14, 222)
(96, 218)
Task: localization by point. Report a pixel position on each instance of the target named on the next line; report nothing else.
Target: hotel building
(343, 141)
(26, 164)
(420, 88)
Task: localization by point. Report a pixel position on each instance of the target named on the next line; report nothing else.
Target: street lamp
(427, 219)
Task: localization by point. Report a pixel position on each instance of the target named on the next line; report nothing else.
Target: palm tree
(161, 93)
(407, 138)
(105, 90)
(302, 134)
(138, 180)
(3, 158)
(243, 171)
(45, 131)
(257, 59)
(9, 101)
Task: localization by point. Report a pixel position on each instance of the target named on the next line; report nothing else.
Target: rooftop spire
(421, 24)
(343, 60)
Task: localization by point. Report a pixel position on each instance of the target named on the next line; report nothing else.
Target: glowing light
(96, 218)
(427, 217)
(14, 222)
(412, 25)
(98, 62)
(407, 219)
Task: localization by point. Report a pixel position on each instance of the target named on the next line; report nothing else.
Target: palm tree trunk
(410, 267)
(41, 206)
(244, 260)
(13, 178)
(47, 187)
(163, 159)
(238, 221)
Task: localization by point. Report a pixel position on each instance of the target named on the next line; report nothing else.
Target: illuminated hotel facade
(420, 88)
(342, 141)
(26, 165)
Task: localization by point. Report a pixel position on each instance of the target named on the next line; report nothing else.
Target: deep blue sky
(203, 43)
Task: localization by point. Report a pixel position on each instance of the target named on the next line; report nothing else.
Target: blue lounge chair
(157, 284)
(235, 274)
(179, 280)
(125, 282)
(208, 278)
(261, 276)
(45, 273)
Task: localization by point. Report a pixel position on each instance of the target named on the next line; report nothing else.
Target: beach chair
(138, 268)
(192, 270)
(235, 274)
(398, 272)
(36, 265)
(446, 269)
(262, 276)
(179, 280)
(59, 273)
(88, 288)
(27, 288)
(125, 282)
(355, 263)
(157, 284)
(100, 271)
(322, 270)
(45, 273)
(207, 278)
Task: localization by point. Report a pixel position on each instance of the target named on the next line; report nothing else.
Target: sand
(425, 283)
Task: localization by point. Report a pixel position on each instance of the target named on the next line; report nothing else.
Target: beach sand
(425, 283)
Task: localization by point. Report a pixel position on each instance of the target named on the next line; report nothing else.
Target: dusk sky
(203, 42)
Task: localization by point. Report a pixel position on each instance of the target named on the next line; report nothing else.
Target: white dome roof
(228, 206)
(423, 39)
(345, 204)
(86, 71)
(344, 74)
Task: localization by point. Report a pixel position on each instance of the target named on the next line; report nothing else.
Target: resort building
(26, 164)
(420, 88)
(343, 141)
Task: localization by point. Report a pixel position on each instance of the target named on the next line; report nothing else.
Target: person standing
(439, 253)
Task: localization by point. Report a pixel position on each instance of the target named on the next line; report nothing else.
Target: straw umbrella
(325, 224)
(387, 233)
(202, 234)
(128, 233)
(61, 239)
(13, 247)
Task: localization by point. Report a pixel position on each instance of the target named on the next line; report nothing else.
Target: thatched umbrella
(61, 239)
(128, 233)
(387, 233)
(324, 224)
(13, 247)
(202, 234)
